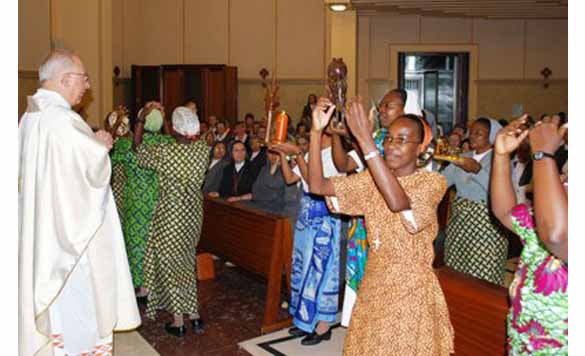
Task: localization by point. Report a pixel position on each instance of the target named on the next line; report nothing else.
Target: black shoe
(198, 326)
(178, 331)
(314, 338)
(142, 300)
(294, 331)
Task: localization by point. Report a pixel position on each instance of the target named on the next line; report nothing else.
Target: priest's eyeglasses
(83, 76)
(399, 141)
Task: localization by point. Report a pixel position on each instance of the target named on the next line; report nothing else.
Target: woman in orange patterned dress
(401, 309)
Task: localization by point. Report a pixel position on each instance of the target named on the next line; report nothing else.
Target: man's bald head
(56, 63)
(63, 72)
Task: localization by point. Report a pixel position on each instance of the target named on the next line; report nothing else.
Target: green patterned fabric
(475, 244)
(118, 156)
(538, 322)
(169, 263)
(138, 201)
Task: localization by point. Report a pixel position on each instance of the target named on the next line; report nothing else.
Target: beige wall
(496, 98)
(299, 37)
(34, 42)
(250, 34)
(511, 55)
(82, 26)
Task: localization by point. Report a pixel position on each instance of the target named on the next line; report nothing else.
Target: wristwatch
(538, 155)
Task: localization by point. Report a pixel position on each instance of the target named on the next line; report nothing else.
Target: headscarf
(428, 132)
(495, 127)
(185, 121)
(153, 121)
(412, 106)
(124, 126)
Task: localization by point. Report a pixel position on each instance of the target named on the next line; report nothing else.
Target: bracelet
(371, 155)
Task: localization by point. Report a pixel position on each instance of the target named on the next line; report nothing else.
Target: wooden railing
(478, 311)
(256, 241)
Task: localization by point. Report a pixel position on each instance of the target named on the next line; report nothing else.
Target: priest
(74, 281)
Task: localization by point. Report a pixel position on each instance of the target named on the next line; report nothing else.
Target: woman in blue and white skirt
(315, 259)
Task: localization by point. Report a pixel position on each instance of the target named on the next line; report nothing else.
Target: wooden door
(214, 95)
(173, 91)
(146, 86)
(231, 92)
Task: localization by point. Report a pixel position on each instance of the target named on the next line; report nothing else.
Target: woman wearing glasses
(475, 242)
(400, 308)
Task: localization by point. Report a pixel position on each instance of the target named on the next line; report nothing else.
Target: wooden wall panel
(161, 32)
(501, 48)
(546, 46)
(385, 30)
(445, 30)
(300, 34)
(34, 29)
(251, 36)
(206, 31)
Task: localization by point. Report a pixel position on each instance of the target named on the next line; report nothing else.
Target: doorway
(440, 81)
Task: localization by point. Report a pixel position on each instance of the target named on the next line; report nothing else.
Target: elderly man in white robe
(75, 287)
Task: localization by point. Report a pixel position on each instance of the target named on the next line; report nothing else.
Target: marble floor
(232, 307)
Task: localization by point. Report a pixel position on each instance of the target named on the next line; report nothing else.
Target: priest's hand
(105, 138)
(213, 195)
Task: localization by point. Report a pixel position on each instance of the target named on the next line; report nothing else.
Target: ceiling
(501, 9)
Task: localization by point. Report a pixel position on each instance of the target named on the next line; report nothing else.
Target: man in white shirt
(75, 287)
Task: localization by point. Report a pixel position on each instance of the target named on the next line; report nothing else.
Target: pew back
(478, 311)
(256, 241)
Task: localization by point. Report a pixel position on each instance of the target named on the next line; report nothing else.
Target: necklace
(377, 241)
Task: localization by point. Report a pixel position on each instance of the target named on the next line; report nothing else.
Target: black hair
(416, 119)
(213, 149)
(402, 93)
(230, 148)
(485, 121)
(503, 122)
(563, 116)
(249, 115)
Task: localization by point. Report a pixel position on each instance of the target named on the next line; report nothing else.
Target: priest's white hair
(58, 61)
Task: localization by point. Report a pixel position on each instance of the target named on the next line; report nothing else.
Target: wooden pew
(256, 241)
(478, 311)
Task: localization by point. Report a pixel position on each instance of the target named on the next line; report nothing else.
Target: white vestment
(69, 230)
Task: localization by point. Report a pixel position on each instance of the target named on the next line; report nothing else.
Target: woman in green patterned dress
(140, 190)
(169, 263)
(538, 319)
(118, 125)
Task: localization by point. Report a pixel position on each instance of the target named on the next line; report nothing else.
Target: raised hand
(286, 148)
(322, 113)
(340, 130)
(510, 137)
(547, 136)
(358, 122)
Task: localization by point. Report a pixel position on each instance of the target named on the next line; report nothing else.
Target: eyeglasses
(400, 141)
(388, 105)
(84, 76)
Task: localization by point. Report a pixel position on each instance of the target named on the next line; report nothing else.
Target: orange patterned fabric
(401, 309)
(98, 350)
